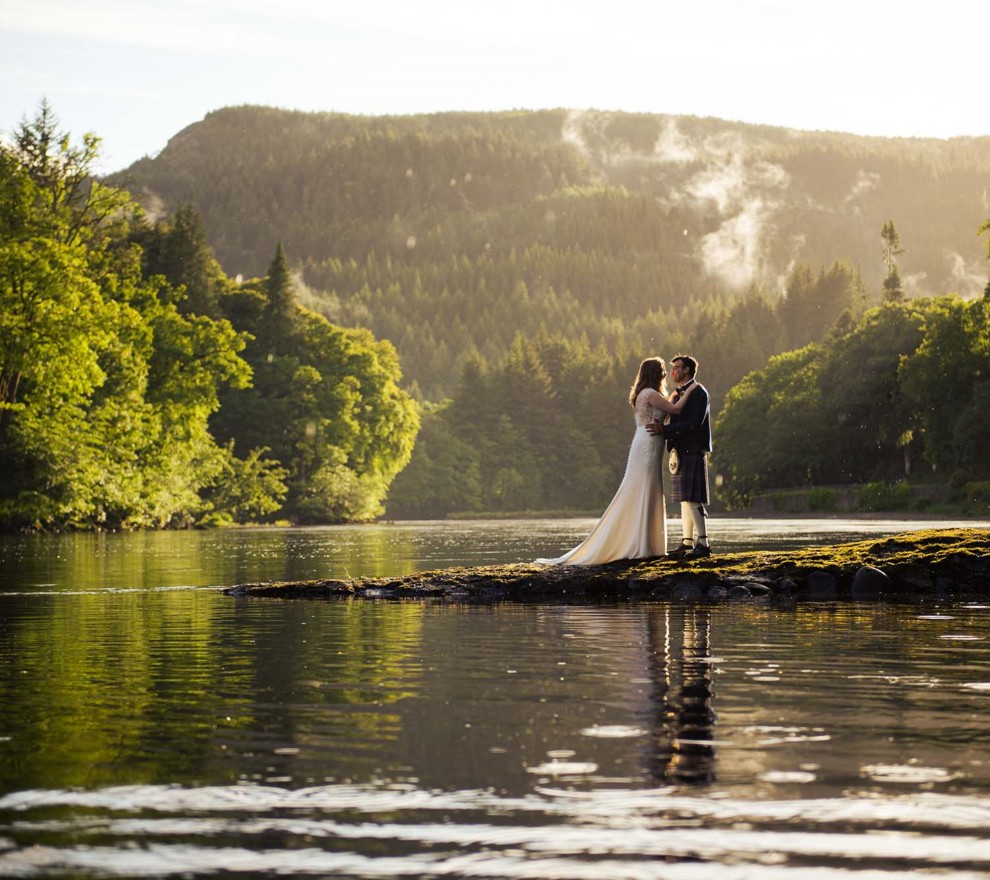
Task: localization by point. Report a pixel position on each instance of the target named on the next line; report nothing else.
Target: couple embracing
(634, 525)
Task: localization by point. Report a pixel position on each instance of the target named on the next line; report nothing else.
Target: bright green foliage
(248, 490)
(105, 386)
(771, 432)
(325, 400)
(359, 425)
(114, 355)
(902, 394)
(947, 382)
(868, 418)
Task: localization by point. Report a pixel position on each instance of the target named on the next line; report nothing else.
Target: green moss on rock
(935, 563)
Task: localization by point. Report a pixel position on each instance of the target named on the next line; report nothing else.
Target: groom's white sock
(687, 524)
(693, 523)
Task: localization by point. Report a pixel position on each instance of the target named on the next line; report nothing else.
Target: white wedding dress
(634, 524)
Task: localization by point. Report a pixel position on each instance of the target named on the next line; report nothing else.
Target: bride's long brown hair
(651, 374)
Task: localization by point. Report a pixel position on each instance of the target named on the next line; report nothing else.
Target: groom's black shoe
(699, 552)
(681, 551)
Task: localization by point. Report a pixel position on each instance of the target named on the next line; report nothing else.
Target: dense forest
(141, 387)
(895, 396)
(522, 263)
(448, 234)
(901, 396)
(324, 318)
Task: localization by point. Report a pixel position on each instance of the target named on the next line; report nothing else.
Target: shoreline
(884, 516)
(893, 515)
(927, 565)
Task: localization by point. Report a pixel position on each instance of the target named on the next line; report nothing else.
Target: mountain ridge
(583, 222)
(609, 138)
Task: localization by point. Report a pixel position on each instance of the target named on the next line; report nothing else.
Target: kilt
(690, 483)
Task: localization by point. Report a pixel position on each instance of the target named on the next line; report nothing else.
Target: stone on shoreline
(942, 563)
(869, 583)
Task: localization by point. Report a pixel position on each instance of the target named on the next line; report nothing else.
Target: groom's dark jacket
(690, 430)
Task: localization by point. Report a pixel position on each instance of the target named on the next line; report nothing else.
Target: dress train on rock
(634, 524)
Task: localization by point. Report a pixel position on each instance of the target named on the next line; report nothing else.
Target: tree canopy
(518, 267)
(119, 340)
(901, 394)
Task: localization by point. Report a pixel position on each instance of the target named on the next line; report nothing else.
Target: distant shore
(750, 513)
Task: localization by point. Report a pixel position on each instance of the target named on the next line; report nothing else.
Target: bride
(634, 525)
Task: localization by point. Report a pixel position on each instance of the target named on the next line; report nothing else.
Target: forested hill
(451, 232)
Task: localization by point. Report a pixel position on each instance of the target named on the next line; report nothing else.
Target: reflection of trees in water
(680, 717)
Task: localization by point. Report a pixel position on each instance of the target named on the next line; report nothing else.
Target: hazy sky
(136, 72)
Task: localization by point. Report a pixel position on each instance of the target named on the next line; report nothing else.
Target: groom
(689, 440)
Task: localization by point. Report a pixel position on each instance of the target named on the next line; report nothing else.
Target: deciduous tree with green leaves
(105, 386)
(325, 400)
(947, 383)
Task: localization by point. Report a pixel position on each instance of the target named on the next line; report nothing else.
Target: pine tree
(279, 317)
(178, 250)
(892, 290)
(985, 227)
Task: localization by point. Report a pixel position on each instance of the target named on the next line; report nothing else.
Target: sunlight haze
(136, 73)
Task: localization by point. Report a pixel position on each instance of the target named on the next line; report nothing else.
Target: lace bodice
(644, 412)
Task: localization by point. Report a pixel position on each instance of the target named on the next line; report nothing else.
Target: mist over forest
(316, 317)
(448, 233)
(530, 259)
(758, 197)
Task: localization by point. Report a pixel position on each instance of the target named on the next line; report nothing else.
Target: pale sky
(136, 72)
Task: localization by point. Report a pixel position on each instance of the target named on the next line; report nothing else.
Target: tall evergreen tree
(279, 317)
(179, 251)
(985, 228)
(892, 290)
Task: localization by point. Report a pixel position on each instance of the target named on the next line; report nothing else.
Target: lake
(152, 726)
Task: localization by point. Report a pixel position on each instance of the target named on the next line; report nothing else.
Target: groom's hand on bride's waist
(654, 427)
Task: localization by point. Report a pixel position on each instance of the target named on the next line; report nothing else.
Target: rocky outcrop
(925, 564)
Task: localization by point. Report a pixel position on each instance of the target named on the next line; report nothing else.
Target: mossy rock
(936, 563)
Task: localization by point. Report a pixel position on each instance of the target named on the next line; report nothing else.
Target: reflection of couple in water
(634, 525)
(680, 713)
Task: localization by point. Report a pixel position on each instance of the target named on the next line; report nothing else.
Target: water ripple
(191, 861)
(553, 833)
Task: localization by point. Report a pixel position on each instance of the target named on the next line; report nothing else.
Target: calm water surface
(151, 726)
